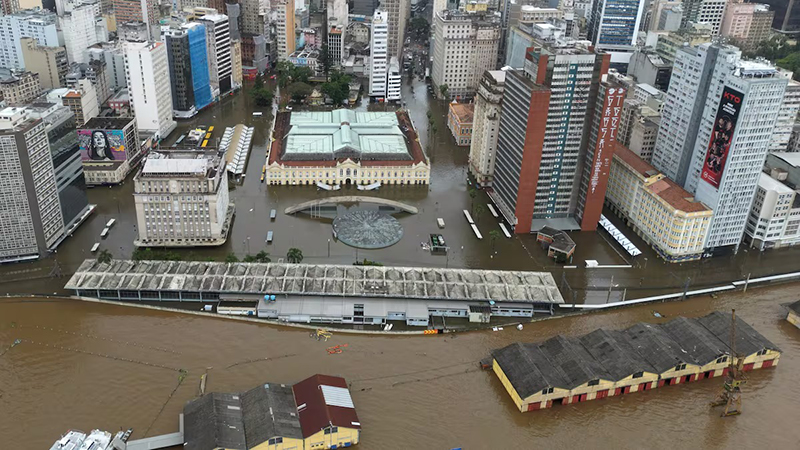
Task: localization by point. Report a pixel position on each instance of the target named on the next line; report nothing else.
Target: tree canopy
(337, 87)
(299, 91)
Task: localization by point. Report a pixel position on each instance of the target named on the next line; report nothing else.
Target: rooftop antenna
(731, 394)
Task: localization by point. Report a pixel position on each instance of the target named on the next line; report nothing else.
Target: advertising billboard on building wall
(721, 136)
(102, 145)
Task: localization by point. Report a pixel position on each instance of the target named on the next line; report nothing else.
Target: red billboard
(721, 136)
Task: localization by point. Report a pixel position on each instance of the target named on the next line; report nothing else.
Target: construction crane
(731, 394)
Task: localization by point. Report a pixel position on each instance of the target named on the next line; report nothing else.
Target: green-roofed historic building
(346, 147)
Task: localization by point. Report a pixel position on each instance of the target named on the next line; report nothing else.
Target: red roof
(318, 412)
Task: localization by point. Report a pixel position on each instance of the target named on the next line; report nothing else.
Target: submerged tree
(294, 255)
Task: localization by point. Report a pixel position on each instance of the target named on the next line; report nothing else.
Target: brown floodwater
(85, 365)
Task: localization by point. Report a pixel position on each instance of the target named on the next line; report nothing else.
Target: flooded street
(445, 198)
(410, 392)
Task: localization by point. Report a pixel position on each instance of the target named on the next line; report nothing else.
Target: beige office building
(49, 62)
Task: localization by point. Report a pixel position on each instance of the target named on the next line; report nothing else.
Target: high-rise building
(147, 68)
(787, 118)
(95, 72)
(237, 77)
(704, 11)
(188, 68)
(166, 216)
(665, 14)
(715, 131)
(787, 14)
(114, 57)
(398, 12)
(284, 28)
(545, 127)
(747, 23)
(464, 47)
(20, 88)
(218, 40)
(613, 27)
(59, 124)
(774, 219)
(145, 11)
(365, 7)
(337, 20)
(486, 124)
(37, 24)
(31, 223)
(49, 62)
(379, 60)
(668, 44)
(78, 26)
(9, 7)
(394, 80)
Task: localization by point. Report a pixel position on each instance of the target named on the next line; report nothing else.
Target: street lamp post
(329, 248)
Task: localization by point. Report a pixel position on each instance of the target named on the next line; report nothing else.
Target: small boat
(104, 233)
(269, 237)
(262, 178)
(272, 214)
(440, 222)
(111, 223)
(72, 440)
(95, 247)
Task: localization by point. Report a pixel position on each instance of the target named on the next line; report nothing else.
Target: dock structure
(237, 141)
(606, 363)
(323, 293)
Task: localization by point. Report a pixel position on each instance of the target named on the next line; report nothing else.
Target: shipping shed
(327, 415)
(793, 316)
(322, 293)
(605, 363)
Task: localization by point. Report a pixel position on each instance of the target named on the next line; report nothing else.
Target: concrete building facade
(146, 68)
(464, 47)
(218, 41)
(37, 24)
(613, 27)
(787, 118)
(398, 12)
(723, 134)
(748, 23)
(19, 89)
(486, 126)
(379, 54)
(31, 223)
(657, 209)
(774, 220)
(78, 27)
(543, 136)
(704, 11)
(284, 28)
(460, 117)
(49, 62)
(83, 101)
(182, 199)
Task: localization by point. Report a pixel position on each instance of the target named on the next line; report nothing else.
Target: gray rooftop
(318, 280)
(241, 421)
(567, 363)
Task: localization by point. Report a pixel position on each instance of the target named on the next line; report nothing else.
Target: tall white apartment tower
(379, 40)
(147, 74)
(284, 28)
(218, 41)
(729, 129)
(337, 17)
(78, 26)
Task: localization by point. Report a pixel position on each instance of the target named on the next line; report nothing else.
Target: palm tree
(478, 211)
(231, 258)
(262, 257)
(294, 255)
(472, 194)
(494, 235)
(104, 257)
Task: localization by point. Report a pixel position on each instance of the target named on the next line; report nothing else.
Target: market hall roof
(343, 133)
(318, 280)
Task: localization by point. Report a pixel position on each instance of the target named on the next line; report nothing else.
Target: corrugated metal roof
(337, 396)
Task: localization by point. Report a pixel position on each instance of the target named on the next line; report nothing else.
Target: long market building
(323, 293)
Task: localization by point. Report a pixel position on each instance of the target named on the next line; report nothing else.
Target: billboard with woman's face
(102, 145)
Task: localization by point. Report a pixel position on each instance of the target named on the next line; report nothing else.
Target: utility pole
(610, 285)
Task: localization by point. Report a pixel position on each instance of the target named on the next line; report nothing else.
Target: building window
(594, 382)
(680, 367)
(762, 352)
(358, 310)
(277, 440)
(331, 430)
(638, 375)
(546, 391)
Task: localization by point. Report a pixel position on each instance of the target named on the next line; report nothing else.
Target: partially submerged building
(794, 314)
(605, 363)
(324, 293)
(346, 147)
(316, 413)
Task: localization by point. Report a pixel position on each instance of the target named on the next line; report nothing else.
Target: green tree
(259, 83)
(299, 91)
(284, 69)
(104, 257)
(472, 194)
(494, 235)
(294, 255)
(791, 62)
(324, 60)
(262, 257)
(231, 258)
(443, 90)
(262, 96)
(420, 28)
(478, 211)
(337, 88)
(249, 258)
